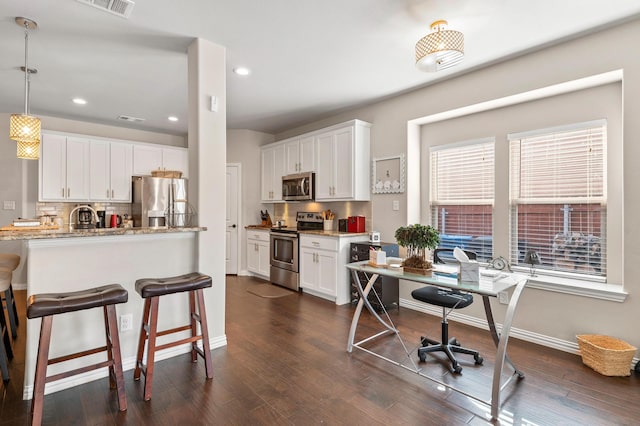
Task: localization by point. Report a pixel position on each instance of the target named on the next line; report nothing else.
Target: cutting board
(30, 228)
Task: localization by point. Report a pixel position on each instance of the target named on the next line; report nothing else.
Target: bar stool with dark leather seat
(45, 306)
(6, 351)
(151, 289)
(10, 261)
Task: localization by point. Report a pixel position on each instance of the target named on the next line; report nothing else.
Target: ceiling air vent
(121, 8)
(130, 119)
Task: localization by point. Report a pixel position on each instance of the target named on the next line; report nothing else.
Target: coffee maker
(85, 218)
(102, 223)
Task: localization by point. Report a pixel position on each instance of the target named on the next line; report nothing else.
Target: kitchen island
(71, 260)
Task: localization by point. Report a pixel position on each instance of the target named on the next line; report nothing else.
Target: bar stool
(45, 306)
(6, 352)
(151, 289)
(10, 262)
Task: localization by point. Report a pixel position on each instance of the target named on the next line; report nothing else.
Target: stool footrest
(78, 371)
(173, 330)
(77, 355)
(178, 342)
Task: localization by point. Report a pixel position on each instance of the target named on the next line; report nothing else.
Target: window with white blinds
(462, 194)
(558, 197)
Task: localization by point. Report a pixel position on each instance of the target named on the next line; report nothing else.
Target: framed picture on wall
(388, 175)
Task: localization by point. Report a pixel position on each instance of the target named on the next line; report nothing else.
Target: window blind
(558, 198)
(462, 194)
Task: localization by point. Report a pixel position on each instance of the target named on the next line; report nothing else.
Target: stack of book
(26, 222)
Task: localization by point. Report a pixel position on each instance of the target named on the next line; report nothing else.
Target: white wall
(554, 315)
(243, 147)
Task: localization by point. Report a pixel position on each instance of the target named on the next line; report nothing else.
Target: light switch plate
(396, 205)
(9, 205)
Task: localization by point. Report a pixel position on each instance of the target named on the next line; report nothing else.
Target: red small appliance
(356, 224)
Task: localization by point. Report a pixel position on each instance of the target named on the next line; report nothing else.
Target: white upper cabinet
(120, 170)
(64, 169)
(93, 169)
(339, 155)
(147, 158)
(273, 168)
(176, 159)
(300, 155)
(111, 170)
(343, 163)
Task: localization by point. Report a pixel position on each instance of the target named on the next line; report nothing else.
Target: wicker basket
(166, 173)
(606, 355)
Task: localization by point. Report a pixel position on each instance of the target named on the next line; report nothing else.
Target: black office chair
(449, 299)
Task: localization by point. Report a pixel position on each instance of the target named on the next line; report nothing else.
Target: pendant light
(24, 128)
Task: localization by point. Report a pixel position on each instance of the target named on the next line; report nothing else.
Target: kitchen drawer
(252, 234)
(316, 242)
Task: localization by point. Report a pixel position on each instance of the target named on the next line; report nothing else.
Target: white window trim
(597, 290)
(418, 209)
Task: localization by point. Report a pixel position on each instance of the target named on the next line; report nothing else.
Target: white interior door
(233, 209)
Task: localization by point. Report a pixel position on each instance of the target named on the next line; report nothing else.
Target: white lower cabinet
(322, 266)
(318, 268)
(258, 262)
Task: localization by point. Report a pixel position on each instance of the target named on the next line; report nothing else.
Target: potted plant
(417, 239)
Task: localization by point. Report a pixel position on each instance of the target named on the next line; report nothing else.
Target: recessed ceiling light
(172, 118)
(79, 101)
(242, 71)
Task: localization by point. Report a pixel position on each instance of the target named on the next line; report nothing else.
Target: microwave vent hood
(299, 187)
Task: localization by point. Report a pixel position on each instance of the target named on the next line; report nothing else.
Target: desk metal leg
(494, 331)
(502, 351)
(364, 301)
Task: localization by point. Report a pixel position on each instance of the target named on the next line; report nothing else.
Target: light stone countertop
(79, 233)
(334, 233)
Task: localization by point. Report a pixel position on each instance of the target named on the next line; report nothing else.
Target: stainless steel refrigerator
(160, 202)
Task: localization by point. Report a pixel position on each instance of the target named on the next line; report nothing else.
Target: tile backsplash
(342, 210)
(63, 209)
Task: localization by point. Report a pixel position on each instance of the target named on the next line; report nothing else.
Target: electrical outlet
(126, 322)
(503, 297)
(9, 205)
(396, 205)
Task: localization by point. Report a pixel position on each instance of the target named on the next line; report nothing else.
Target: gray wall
(553, 315)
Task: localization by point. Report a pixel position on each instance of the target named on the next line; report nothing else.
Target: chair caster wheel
(422, 356)
(479, 360)
(423, 342)
(456, 343)
(457, 369)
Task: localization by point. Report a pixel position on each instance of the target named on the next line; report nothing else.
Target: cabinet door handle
(107, 193)
(112, 194)
(62, 192)
(68, 192)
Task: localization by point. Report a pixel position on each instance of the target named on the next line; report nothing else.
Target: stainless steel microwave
(299, 187)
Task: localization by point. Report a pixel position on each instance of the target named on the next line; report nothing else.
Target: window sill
(610, 292)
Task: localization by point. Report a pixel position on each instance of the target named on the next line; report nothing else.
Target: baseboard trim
(518, 333)
(127, 364)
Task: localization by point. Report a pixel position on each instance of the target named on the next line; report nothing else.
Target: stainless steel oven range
(283, 249)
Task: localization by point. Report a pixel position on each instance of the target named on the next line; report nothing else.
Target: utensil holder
(328, 225)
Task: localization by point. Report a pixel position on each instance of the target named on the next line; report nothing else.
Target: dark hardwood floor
(286, 363)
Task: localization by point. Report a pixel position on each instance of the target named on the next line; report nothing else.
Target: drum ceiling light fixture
(440, 49)
(24, 128)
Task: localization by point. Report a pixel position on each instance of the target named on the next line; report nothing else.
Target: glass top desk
(489, 286)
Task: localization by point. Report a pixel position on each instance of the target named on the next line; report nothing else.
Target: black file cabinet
(385, 287)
